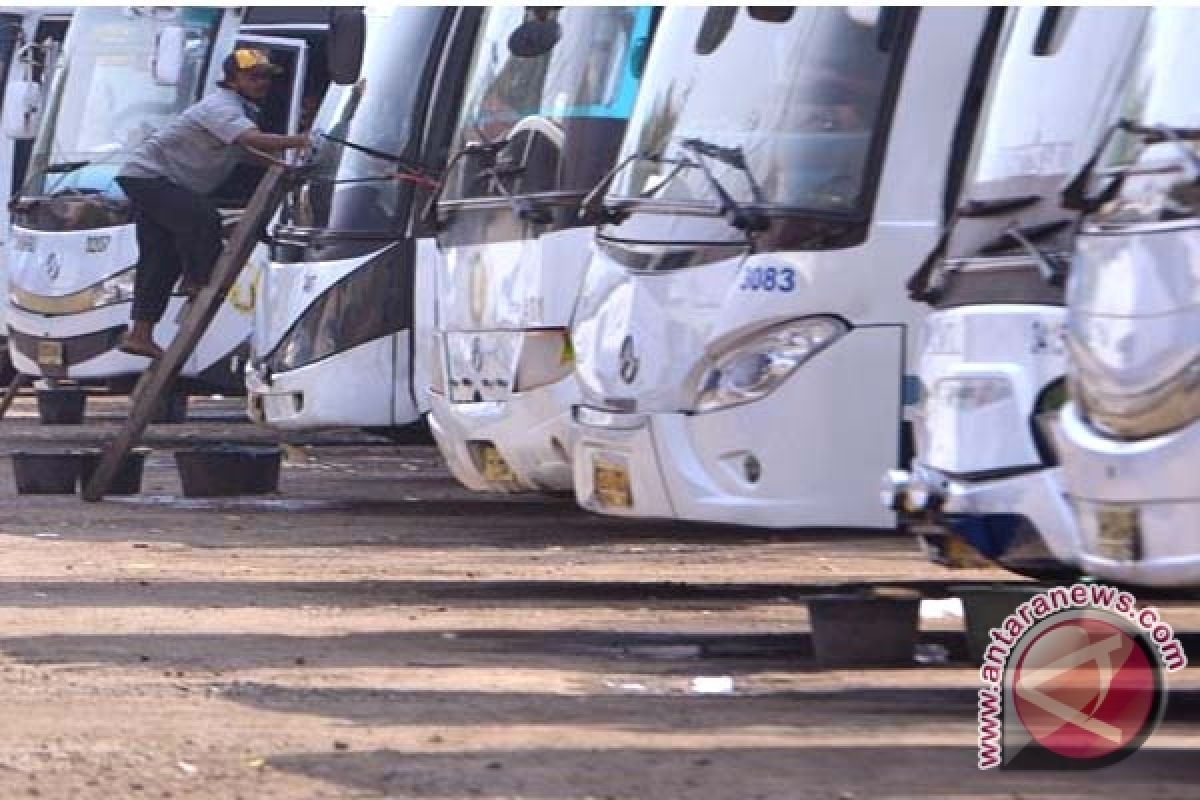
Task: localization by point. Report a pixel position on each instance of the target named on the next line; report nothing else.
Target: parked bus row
(707, 263)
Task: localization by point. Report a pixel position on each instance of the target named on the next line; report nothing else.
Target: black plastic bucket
(45, 472)
(228, 470)
(986, 607)
(128, 479)
(864, 628)
(61, 405)
(172, 409)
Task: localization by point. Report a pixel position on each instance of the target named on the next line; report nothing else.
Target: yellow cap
(250, 58)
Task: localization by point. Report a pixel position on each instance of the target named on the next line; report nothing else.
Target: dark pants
(178, 232)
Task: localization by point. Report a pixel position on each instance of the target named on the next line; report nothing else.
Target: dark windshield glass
(352, 189)
(104, 98)
(558, 86)
(783, 106)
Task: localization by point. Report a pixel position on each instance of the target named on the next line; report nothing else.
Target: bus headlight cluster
(373, 301)
(754, 367)
(1156, 410)
(24, 243)
(1135, 380)
(115, 289)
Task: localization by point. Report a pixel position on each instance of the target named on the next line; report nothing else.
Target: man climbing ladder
(169, 179)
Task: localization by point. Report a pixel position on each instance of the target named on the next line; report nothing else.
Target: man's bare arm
(270, 142)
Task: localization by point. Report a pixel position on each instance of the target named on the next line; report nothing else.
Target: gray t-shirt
(196, 150)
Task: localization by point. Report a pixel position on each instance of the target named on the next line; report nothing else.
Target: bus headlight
(117, 289)
(1136, 377)
(547, 357)
(754, 367)
(371, 302)
(24, 243)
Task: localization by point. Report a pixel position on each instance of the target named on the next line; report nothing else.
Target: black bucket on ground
(128, 478)
(864, 629)
(45, 472)
(228, 470)
(985, 607)
(62, 405)
(172, 409)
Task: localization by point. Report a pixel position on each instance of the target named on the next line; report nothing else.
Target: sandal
(137, 348)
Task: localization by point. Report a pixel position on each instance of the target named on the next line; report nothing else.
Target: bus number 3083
(768, 279)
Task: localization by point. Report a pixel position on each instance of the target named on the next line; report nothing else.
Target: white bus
(123, 72)
(1130, 435)
(743, 337)
(984, 481)
(549, 94)
(30, 41)
(346, 303)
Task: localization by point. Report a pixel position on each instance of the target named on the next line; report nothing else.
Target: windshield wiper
(489, 148)
(590, 208)
(414, 169)
(526, 208)
(743, 219)
(1052, 266)
(740, 217)
(1074, 194)
(64, 167)
(997, 205)
(60, 168)
(732, 156)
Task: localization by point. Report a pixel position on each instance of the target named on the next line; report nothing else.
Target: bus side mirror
(534, 38)
(168, 55)
(22, 109)
(347, 39)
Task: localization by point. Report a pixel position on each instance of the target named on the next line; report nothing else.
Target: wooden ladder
(161, 374)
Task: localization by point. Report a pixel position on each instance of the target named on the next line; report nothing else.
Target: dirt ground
(376, 631)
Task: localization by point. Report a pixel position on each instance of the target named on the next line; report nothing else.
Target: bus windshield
(1162, 123)
(782, 103)
(104, 100)
(550, 90)
(353, 187)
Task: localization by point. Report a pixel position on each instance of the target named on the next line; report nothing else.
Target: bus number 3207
(768, 279)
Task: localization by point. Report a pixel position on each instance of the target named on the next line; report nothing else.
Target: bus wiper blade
(732, 156)
(739, 217)
(526, 208)
(1074, 194)
(488, 148)
(997, 205)
(407, 163)
(64, 167)
(590, 208)
(1052, 266)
